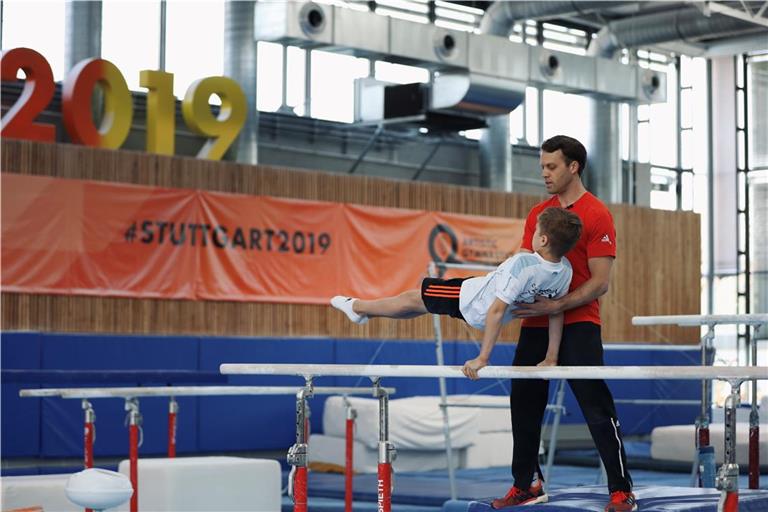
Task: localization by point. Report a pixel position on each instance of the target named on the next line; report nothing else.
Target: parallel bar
(699, 320)
(505, 372)
(136, 392)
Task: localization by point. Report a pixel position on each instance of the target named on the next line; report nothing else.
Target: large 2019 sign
(76, 106)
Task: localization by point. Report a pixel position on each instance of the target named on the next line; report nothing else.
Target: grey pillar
(496, 155)
(240, 65)
(82, 33)
(603, 176)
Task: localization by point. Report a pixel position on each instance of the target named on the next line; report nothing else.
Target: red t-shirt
(598, 238)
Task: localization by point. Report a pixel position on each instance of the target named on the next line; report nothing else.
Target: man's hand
(473, 366)
(541, 306)
(548, 362)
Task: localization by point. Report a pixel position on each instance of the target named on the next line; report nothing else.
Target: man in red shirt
(562, 163)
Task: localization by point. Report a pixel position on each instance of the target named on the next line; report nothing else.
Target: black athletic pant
(581, 345)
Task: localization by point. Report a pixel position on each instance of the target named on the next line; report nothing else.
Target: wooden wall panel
(656, 272)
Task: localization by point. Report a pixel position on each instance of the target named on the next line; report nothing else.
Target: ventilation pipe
(240, 65)
(495, 148)
(82, 32)
(685, 24)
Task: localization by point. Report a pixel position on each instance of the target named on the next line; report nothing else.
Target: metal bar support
(297, 454)
(387, 452)
(728, 476)
(367, 148)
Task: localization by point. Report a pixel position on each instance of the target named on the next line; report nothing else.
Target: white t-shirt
(519, 279)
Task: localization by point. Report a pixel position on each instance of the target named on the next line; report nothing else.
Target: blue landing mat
(649, 499)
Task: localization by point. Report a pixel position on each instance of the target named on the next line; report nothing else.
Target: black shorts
(441, 296)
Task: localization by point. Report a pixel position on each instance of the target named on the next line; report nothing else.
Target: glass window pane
(624, 130)
(687, 192)
(333, 85)
(36, 25)
(663, 189)
(532, 116)
(557, 122)
(194, 42)
(269, 76)
(296, 73)
(687, 149)
(400, 74)
(643, 142)
(686, 108)
(663, 131)
(119, 19)
(516, 129)
(758, 112)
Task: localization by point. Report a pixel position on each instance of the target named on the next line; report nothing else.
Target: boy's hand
(473, 366)
(548, 362)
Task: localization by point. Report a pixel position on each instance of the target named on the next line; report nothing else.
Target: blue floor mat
(650, 499)
(570, 487)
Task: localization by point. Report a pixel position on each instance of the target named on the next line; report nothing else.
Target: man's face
(556, 173)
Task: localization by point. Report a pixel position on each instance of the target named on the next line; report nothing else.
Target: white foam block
(45, 491)
(676, 442)
(414, 423)
(491, 449)
(331, 450)
(207, 483)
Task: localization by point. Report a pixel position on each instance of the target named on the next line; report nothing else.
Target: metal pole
(443, 395)
(560, 398)
(728, 476)
(387, 451)
(349, 455)
(163, 23)
(297, 454)
(702, 422)
(426, 161)
(710, 197)
(754, 424)
(134, 426)
(308, 83)
(367, 148)
(173, 411)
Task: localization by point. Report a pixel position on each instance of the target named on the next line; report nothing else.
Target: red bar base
(133, 434)
(300, 490)
(349, 466)
(384, 489)
(729, 502)
(171, 435)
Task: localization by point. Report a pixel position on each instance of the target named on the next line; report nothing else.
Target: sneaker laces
(620, 496)
(513, 491)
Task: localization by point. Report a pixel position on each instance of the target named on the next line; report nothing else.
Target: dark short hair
(572, 149)
(563, 229)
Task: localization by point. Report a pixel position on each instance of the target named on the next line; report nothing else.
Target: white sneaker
(344, 304)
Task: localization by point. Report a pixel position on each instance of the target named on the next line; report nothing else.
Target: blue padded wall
(258, 422)
(52, 427)
(20, 418)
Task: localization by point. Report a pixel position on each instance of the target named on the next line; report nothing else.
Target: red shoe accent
(517, 496)
(621, 501)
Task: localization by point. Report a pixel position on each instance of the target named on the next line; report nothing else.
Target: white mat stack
(479, 437)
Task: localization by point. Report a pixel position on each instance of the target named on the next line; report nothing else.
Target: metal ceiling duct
(501, 16)
(495, 147)
(82, 39)
(240, 65)
(684, 24)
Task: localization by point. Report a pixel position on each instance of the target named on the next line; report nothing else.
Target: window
(129, 49)
(195, 42)
(36, 25)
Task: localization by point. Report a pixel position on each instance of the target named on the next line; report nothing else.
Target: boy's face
(539, 239)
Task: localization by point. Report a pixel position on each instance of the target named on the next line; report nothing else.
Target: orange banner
(93, 238)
